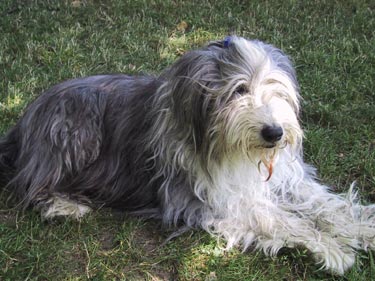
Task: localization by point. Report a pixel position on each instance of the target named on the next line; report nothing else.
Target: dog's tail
(8, 156)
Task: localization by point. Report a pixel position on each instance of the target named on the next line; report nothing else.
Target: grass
(44, 42)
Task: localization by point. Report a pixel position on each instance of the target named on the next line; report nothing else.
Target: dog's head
(234, 96)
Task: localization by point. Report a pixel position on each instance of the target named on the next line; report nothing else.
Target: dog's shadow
(153, 250)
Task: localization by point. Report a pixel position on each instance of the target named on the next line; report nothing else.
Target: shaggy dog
(213, 142)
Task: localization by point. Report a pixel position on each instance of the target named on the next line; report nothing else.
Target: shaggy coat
(213, 142)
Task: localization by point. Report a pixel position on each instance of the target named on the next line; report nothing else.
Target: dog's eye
(240, 90)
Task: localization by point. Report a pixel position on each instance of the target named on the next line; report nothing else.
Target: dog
(214, 142)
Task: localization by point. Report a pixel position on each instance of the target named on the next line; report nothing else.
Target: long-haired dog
(213, 142)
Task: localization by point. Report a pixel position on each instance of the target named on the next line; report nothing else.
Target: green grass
(44, 42)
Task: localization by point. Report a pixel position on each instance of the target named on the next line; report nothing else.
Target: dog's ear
(191, 81)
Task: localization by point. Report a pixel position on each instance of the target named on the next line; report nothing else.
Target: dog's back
(77, 137)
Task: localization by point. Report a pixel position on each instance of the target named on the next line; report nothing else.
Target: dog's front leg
(341, 216)
(269, 224)
(293, 228)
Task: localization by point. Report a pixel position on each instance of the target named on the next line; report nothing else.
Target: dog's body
(213, 142)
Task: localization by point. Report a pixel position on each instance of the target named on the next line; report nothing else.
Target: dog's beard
(242, 136)
(264, 156)
(267, 159)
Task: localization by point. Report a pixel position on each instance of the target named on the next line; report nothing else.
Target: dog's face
(236, 96)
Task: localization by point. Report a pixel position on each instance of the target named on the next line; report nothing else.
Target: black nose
(272, 133)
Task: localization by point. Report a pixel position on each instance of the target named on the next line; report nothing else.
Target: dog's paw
(59, 206)
(335, 260)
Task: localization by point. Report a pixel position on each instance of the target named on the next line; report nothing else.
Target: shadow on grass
(111, 245)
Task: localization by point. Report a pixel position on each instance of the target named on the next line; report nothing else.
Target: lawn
(44, 42)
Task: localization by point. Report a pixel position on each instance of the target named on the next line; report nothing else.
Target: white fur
(59, 206)
(284, 212)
